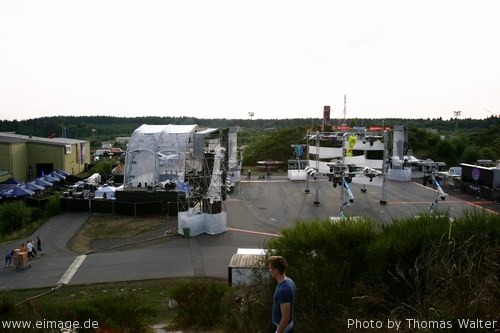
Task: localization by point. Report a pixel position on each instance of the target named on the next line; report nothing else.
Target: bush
(200, 304)
(249, 309)
(424, 267)
(123, 312)
(325, 261)
(52, 207)
(119, 312)
(14, 216)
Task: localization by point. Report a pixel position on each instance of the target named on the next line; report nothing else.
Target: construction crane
(493, 113)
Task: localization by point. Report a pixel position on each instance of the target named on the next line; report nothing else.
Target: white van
(102, 152)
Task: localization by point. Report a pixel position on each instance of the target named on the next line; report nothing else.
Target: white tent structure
(194, 161)
(157, 153)
(105, 192)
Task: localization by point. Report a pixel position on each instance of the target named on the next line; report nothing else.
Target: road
(256, 212)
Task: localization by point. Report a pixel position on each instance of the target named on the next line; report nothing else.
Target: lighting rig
(430, 171)
(337, 147)
(313, 173)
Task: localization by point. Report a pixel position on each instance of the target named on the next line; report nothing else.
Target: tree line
(85, 127)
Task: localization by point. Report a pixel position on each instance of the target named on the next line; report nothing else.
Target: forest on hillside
(452, 148)
(107, 127)
(452, 141)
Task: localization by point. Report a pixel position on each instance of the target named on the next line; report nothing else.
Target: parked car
(117, 151)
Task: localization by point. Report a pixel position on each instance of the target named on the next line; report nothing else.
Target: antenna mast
(345, 110)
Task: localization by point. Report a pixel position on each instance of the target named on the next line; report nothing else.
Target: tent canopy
(33, 187)
(105, 192)
(156, 153)
(21, 192)
(42, 182)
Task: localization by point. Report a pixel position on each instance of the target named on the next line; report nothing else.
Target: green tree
(486, 153)
(52, 207)
(445, 152)
(470, 154)
(103, 167)
(275, 145)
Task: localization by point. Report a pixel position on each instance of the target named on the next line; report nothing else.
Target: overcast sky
(224, 59)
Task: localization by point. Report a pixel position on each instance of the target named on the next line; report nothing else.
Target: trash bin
(186, 231)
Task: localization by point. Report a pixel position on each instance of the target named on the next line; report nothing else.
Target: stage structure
(190, 163)
(349, 156)
(402, 159)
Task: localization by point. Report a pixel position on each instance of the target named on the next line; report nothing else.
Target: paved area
(256, 212)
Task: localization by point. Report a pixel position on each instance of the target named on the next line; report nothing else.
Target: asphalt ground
(257, 211)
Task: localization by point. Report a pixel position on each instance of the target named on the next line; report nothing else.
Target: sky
(228, 58)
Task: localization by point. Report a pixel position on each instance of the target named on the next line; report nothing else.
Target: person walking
(8, 258)
(39, 245)
(29, 246)
(284, 297)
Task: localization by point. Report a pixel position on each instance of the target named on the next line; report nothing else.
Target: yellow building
(26, 157)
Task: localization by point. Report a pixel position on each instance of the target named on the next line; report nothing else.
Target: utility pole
(345, 110)
(307, 175)
(316, 200)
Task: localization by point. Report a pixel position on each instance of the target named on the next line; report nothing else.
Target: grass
(105, 226)
(23, 233)
(153, 293)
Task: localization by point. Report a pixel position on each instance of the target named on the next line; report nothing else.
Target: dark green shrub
(14, 216)
(36, 213)
(325, 261)
(52, 207)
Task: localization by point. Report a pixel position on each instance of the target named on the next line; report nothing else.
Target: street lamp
(456, 114)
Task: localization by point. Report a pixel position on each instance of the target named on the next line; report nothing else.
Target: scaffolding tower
(202, 201)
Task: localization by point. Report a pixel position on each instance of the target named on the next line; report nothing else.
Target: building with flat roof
(25, 157)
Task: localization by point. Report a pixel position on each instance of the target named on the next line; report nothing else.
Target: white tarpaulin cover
(202, 223)
(157, 153)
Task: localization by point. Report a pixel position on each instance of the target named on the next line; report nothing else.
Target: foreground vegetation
(424, 268)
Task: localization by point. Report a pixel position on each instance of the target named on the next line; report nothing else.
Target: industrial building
(25, 157)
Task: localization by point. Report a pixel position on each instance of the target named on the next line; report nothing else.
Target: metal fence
(119, 208)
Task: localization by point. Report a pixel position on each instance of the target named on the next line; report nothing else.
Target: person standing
(284, 297)
(39, 245)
